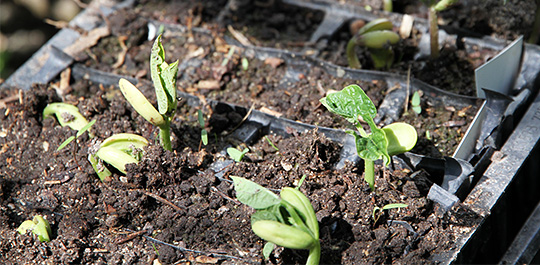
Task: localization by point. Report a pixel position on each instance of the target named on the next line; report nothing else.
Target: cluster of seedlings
(287, 220)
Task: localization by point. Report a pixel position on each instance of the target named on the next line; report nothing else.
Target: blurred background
(25, 25)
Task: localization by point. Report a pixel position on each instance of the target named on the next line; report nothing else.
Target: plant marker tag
(500, 73)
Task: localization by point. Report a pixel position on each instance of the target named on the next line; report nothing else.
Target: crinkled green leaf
(157, 64)
(372, 147)
(350, 103)
(168, 77)
(253, 194)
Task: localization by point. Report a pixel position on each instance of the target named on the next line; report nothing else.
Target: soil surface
(213, 69)
(185, 199)
(179, 207)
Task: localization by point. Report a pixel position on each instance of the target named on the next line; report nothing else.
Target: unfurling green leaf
(350, 103)
(302, 204)
(236, 154)
(373, 146)
(164, 78)
(253, 194)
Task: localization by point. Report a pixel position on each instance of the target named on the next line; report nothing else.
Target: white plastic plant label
(500, 73)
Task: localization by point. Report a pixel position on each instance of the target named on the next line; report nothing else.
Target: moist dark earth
(93, 222)
(179, 206)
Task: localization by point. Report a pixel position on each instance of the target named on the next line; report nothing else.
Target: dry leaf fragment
(206, 260)
(273, 61)
(87, 41)
(453, 123)
(463, 112)
(239, 36)
(123, 52)
(208, 84)
(271, 112)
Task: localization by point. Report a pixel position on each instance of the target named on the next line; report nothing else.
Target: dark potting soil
(177, 198)
(212, 69)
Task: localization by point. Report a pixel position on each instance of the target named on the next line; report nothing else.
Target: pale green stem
(433, 32)
(387, 5)
(165, 136)
(369, 173)
(352, 58)
(361, 130)
(314, 254)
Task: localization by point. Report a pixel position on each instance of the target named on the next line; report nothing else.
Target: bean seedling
(118, 150)
(164, 78)
(377, 211)
(377, 36)
(68, 115)
(236, 154)
(415, 103)
(288, 221)
(352, 103)
(39, 226)
(204, 132)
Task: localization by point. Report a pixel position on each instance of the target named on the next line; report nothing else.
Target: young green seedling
(435, 6)
(204, 133)
(118, 150)
(66, 114)
(164, 78)
(271, 143)
(415, 102)
(377, 211)
(73, 137)
(288, 221)
(39, 226)
(236, 154)
(377, 36)
(352, 103)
